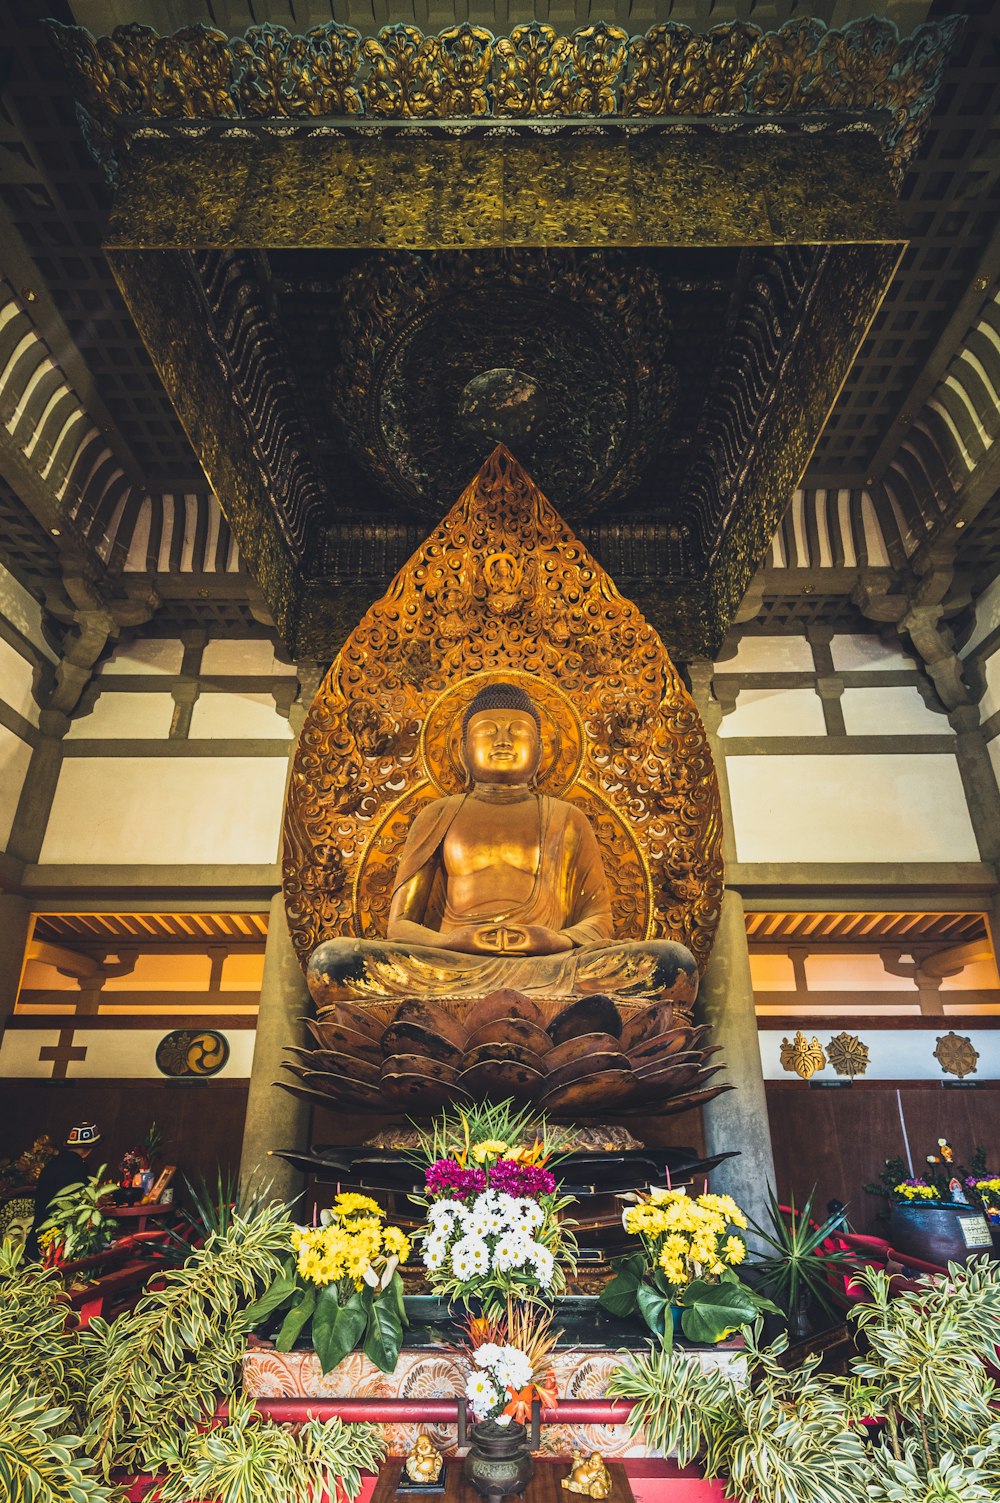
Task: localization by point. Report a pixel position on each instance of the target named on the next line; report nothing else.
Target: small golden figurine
(589, 1477)
(424, 1462)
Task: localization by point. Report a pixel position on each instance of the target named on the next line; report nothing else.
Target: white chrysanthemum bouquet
(493, 1227)
(510, 1356)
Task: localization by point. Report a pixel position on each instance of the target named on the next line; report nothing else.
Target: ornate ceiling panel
(57, 202)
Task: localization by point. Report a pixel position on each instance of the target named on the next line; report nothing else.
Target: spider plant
(782, 1437)
(249, 1458)
(41, 1459)
(212, 1209)
(796, 1270)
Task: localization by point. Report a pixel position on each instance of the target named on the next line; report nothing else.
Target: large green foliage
(795, 1437)
(36, 1345)
(249, 1459)
(41, 1459)
(165, 1364)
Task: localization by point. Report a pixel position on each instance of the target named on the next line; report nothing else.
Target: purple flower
(525, 1181)
(448, 1178)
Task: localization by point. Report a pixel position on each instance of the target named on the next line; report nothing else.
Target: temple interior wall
(168, 793)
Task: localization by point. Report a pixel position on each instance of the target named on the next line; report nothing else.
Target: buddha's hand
(502, 938)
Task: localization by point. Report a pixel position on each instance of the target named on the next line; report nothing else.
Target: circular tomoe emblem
(192, 1051)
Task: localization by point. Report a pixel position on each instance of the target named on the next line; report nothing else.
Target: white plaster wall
(993, 747)
(894, 1054)
(987, 614)
(112, 1053)
(850, 808)
(990, 701)
(854, 973)
(16, 676)
(120, 715)
(146, 655)
(854, 653)
(775, 712)
(247, 655)
(891, 711)
(15, 757)
(223, 715)
(770, 655)
(189, 810)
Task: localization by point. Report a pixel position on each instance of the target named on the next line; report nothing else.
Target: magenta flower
(525, 1181)
(447, 1178)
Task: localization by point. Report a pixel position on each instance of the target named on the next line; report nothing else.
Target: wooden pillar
(15, 928)
(274, 1118)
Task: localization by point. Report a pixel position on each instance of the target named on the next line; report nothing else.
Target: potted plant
(796, 1271)
(76, 1225)
(684, 1276)
(934, 1228)
(341, 1286)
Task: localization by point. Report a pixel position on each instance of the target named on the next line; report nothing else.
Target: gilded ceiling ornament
(956, 1055)
(378, 741)
(847, 1054)
(802, 1057)
(412, 331)
(464, 71)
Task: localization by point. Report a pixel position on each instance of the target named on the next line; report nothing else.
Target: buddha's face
(502, 746)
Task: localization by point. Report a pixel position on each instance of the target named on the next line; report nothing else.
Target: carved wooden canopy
(503, 589)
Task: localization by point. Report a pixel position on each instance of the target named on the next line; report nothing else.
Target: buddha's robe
(569, 895)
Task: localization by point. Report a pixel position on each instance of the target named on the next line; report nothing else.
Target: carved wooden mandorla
(502, 589)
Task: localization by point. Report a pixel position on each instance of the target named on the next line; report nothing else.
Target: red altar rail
(428, 1411)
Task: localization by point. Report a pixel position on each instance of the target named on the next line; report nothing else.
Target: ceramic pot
(499, 1462)
(939, 1234)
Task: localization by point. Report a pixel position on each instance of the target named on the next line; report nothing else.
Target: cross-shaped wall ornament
(62, 1053)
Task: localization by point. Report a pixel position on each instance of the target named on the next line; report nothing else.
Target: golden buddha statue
(500, 887)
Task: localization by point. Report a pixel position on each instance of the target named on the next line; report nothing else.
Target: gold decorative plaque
(957, 1055)
(503, 590)
(847, 1054)
(802, 1056)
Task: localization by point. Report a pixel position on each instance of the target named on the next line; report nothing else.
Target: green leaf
(337, 1328)
(395, 1289)
(295, 1320)
(654, 1309)
(283, 1288)
(619, 1296)
(713, 1311)
(385, 1332)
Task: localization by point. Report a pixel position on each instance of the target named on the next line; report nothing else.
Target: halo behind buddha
(502, 590)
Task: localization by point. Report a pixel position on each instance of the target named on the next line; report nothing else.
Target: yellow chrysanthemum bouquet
(685, 1272)
(341, 1280)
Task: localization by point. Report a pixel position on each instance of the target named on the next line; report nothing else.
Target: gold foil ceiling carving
(503, 589)
(465, 71)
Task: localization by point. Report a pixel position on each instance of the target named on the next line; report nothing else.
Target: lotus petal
(594, 1014)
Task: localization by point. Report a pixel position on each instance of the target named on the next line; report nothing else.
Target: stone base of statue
(570, 1057)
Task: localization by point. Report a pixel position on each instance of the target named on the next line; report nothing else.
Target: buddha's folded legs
(344, 968)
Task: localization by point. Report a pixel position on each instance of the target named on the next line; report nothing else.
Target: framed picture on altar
(152, 1197)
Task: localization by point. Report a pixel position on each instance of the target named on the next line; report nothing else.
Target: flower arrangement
(342, 1281)
(690, 1248)
(493, 1227)
(988, 1192)
(510, 1357)
(912, 1190)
